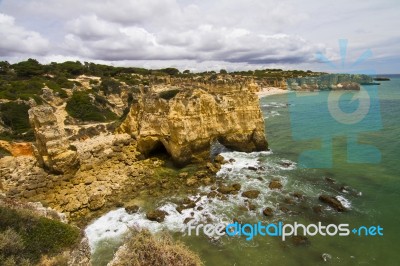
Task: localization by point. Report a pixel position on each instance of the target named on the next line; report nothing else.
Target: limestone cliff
(187, 123)
(51, 148)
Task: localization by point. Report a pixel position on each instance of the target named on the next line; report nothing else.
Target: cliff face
(51, 148)
(329, 82)
(188, 123)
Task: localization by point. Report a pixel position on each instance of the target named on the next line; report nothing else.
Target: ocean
(369, 189)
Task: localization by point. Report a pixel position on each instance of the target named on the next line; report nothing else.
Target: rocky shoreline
(160, 148)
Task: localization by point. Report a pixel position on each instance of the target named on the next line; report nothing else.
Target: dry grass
(142, 249)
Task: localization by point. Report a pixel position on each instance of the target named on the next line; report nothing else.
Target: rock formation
(17, 148)
(187, 123)
(52, 148)
(329, 82)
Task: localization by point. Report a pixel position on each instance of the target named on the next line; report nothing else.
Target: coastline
(268, 91)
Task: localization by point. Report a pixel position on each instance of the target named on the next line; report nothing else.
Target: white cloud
(17, 40)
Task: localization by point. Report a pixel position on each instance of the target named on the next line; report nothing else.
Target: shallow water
(371, 194)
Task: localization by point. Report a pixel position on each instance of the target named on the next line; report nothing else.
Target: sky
(205, 34)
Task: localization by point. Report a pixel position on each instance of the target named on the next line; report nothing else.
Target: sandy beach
(270, 91)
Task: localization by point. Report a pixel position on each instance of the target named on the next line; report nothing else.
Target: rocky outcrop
(81, 255)
(333, 202)
(52, 148)
(17, 148)
(187, 123)
(328, 82)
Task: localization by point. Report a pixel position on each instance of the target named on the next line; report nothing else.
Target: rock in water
(156, 215)
(226, 189)
(130, 209)
(251, 194)
(274, 184)
(186, 124)
(333, 202)
(268, 211)
(52, 147)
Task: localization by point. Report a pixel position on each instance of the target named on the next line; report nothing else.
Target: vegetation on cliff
(82, 107)
(15, 116)
(22, 86)
(143, 248)
(26, 237)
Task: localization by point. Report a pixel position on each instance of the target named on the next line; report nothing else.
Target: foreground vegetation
(142, 248)
(26, 237)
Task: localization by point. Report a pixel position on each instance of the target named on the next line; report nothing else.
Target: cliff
(52, 149)
(187, 123)
(329, 82)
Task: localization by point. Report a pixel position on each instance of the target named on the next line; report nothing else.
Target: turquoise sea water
(371, 191)
(379, 203)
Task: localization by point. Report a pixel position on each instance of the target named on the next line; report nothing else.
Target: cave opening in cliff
(159, 151)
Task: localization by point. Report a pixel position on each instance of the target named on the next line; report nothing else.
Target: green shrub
(23, 89)
(80, 106)
(15, 116)
(168, 94)
(29, 68)
(170, 71)
(26, 236)
(110, 86)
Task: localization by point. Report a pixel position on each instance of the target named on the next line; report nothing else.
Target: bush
(29, 68)
(15, 116)
(80, 106)
(26, 236)
(10, 242)
(24, 90)
(167, 95)
(110, 86)
(170, 71)
(142, 248)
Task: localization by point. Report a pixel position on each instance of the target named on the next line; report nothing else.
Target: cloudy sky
(205, 34)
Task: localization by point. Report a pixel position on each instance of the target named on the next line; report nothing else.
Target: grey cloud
(237, 32)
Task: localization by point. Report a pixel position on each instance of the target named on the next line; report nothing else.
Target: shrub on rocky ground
(142, 248)
(25, 237)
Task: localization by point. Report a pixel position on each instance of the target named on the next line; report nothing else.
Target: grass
(142, 248)
(26, 237)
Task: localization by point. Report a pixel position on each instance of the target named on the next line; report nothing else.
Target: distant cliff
(329, 82)
(187, 122)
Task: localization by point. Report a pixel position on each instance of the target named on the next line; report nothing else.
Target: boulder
(156, 215)
(333, 202)
(251, 194)
(226, 189)
(96, 202)
(131, 209)
(268, 211)
(219, 159)
(191, 181)
(275, 184)
(237, 186)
